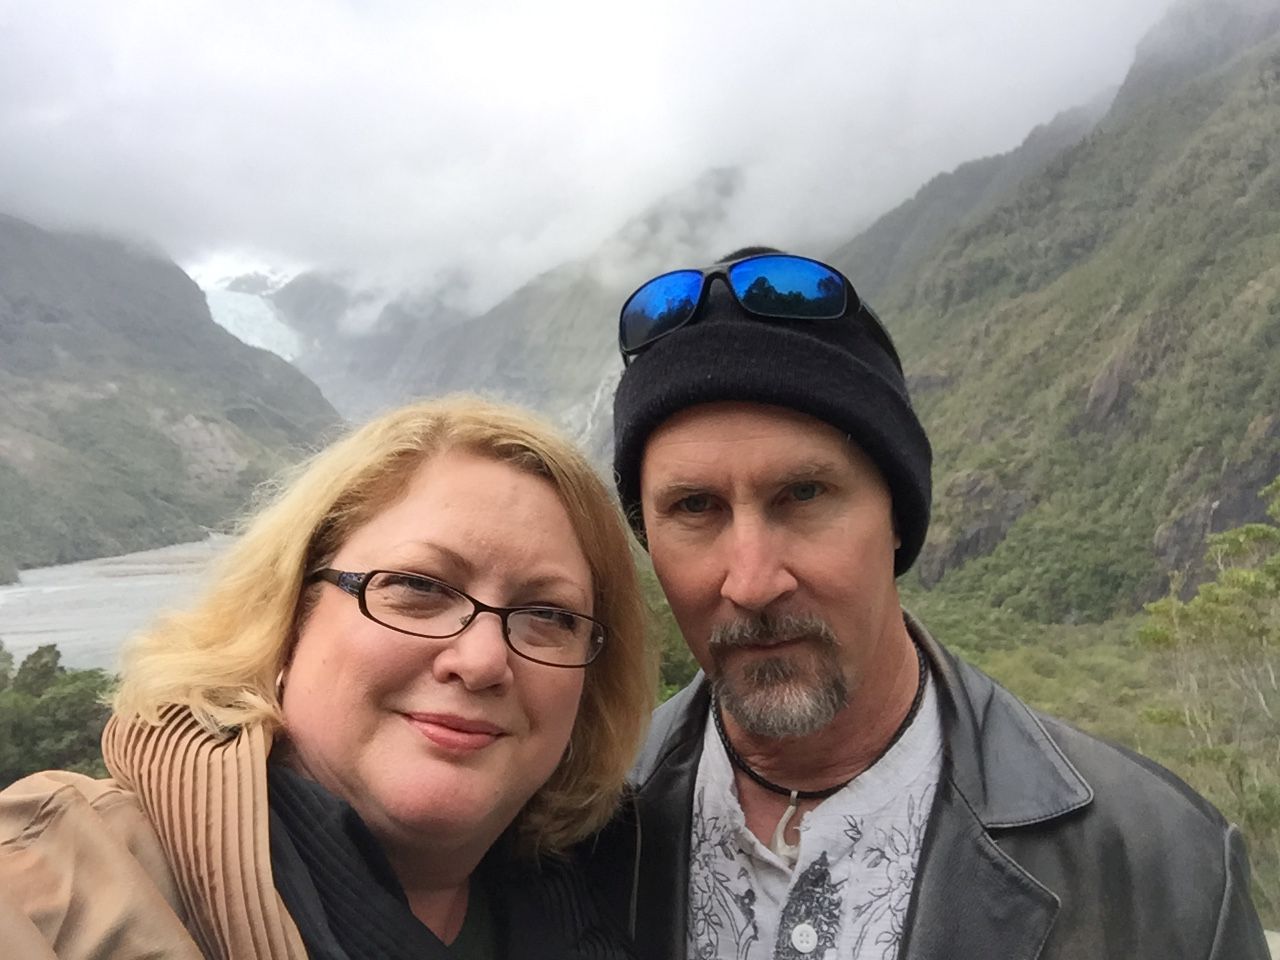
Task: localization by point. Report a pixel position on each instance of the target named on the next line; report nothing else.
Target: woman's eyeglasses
(771, 285)
(425, 607)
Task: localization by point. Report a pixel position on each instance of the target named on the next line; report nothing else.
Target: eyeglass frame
(354, 584)
(720, 271)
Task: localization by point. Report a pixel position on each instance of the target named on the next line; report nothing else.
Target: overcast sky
(414, 139)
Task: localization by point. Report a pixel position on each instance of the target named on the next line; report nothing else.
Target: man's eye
(805, 491)
(694, 503)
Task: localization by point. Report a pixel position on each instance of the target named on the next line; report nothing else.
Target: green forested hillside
(1097, 357)
(1191, 684)
(128, 418)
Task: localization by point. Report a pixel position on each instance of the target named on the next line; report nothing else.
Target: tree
(50, 717)
(677, 664)
(1221, 650)
(38, 671)
(6, 667)
(1223, 645)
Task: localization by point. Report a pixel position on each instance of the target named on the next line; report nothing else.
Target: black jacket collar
(999, 756)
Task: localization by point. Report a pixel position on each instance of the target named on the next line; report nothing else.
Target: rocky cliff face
(128, 419)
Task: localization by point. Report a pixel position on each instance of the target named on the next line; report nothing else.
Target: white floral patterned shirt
(847, 895)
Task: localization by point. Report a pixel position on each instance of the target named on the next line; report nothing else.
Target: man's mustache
(768, 631)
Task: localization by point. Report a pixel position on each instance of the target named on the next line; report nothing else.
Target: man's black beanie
(834, 370)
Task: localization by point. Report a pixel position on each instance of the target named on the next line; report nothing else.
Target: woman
(418, 675)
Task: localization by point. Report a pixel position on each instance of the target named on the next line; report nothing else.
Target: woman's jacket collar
(206, 797)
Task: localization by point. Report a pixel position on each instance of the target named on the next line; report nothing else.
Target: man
(835, 783)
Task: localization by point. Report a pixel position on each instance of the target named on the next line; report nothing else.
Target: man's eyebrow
(681, 488)
(812, 470)
(807, 471)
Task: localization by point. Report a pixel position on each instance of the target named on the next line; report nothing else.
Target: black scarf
(348, 904)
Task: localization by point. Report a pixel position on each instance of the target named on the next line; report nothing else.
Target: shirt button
(804, 938)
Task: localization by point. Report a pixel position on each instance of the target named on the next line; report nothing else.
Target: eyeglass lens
(659, 306)
(428, 608)
(781, 286)
(786, 286)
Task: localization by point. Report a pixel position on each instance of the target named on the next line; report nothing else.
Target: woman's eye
(559, 618)
(413, 583)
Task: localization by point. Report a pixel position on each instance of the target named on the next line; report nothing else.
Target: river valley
(88, 609)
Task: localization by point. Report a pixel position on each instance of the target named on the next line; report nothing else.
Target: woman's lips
(454, 733)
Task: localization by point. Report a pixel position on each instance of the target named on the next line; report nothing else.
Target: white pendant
(789, 852)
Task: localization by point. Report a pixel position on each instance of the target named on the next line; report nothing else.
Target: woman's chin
(412, 790)
(434, 810)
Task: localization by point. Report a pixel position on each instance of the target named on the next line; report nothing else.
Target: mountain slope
(551, 344)
(1192, 39)
(128, 419)
(896, 244)
(1098, 356)
(360, 349)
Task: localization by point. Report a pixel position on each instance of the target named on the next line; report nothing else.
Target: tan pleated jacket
(168, 859)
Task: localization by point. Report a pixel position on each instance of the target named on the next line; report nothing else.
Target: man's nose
(756, 569)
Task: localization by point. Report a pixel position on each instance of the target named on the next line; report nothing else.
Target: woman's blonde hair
(220, 657)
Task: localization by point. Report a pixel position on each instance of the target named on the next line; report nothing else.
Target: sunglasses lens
(659, 307)
(789, 287)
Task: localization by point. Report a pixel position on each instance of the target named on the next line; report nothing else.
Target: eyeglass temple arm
(342, 579)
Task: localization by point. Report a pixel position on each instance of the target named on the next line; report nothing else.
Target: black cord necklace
(737, 760)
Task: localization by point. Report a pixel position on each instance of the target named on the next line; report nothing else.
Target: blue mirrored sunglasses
(772, 285)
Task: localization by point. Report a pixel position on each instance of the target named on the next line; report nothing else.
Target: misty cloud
(412, 143)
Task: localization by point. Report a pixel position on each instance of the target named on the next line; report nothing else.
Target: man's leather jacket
(1043, 842)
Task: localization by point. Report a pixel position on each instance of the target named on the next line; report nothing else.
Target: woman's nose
(477, 656)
